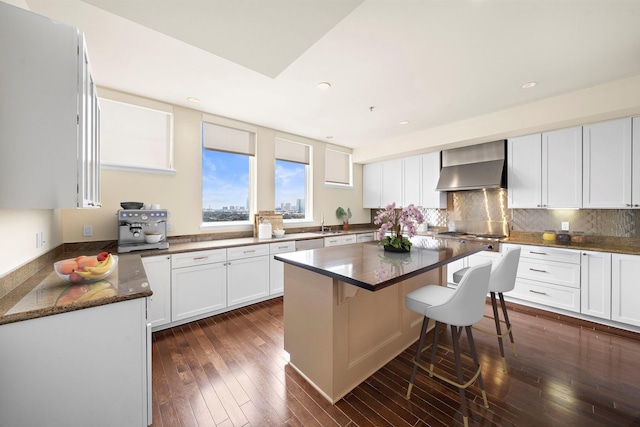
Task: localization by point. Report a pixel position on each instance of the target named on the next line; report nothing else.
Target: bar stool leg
(434, 348)
(423, 333)
(474, 355)
(456, 352)
(507, 322)
(496, 318)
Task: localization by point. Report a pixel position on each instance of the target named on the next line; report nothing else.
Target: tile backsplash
(486, 210)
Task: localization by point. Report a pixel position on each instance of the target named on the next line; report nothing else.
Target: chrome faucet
(322, 224)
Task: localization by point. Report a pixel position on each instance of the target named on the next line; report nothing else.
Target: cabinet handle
(198, 258)
(283, 247)
(537, 253)
(249, 252)
(539, 271)
(537, 292)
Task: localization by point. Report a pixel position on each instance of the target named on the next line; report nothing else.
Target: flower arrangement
(397, 221)
(342, 214)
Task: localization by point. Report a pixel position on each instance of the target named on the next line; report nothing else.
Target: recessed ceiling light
(193, 100)
(528, 85)
(404, 122)
(324, 85)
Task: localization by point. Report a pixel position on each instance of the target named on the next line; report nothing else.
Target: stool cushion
(426, 296)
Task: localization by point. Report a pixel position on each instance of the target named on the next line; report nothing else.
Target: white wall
(18, 230)
(181, 193)
(608, 101)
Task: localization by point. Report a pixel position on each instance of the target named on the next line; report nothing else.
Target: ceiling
(428, 62)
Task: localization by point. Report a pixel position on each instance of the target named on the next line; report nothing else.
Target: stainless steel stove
(477, 237)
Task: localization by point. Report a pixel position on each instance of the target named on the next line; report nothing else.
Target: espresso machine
(135, 224)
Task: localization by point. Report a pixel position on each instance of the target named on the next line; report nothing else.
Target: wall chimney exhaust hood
(474, 167)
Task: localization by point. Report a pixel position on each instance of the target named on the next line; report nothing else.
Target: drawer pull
(539, 271)
(283, 247)
(537, 292)
(199, 258)
(537, 253)
(249, 252)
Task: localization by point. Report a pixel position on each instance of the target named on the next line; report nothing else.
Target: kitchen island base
(337, 335)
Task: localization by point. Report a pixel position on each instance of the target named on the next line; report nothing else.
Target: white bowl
(278, 233)
(152, 238)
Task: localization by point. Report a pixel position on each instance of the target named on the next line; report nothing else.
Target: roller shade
(222, 138)
(337, 168)
(292, 151)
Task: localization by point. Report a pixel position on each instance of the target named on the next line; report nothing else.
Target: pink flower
(396, 221)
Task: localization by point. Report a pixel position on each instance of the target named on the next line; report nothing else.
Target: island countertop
(368, 266)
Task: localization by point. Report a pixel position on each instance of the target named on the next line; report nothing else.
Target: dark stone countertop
(368, 266)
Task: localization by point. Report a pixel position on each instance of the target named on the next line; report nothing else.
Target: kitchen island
(344, 312)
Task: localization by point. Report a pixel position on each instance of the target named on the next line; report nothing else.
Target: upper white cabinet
(608, 165)
(430, 173)
(382, 184)
(410, 180)
(49, 115)
(545, 170)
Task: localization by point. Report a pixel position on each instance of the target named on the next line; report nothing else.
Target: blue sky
(225, 180)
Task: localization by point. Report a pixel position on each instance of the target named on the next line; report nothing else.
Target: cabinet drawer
(189, 259)
(348, 239)
(557, 273)
(547, 294)
(247, 252)
(332, 241)
(279, 248)
(364, 237)
(550, 254)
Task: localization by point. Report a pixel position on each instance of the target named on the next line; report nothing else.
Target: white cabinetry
(247, 273)
(49, 116)
(158, 270)
(364, 237)
(88, 367)
(545, 170)
(411, 181)
(276, 268)
(625, 291)
(470, 261)
(608, 165)
(198, 283)
(430, 173)
(382, 184)
(344, 239)
(595, 284)
(548, 276)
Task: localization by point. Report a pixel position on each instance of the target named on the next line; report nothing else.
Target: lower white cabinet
(343, 239)
(595, 284)
(549, 276)
(158, 270)
(88, 367)
(247, 273)
(470, 261)
(199, 284)
(276, 268)
(364, 237)
(625, 292)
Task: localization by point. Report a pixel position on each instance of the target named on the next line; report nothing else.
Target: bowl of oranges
(86, 268)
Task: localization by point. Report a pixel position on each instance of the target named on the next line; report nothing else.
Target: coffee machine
(134, 224)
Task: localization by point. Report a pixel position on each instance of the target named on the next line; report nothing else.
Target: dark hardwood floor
(231, 370)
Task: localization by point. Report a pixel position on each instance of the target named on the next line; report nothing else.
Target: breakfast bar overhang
(344, 310)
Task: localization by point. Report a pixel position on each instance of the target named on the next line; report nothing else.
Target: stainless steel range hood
(474, 167)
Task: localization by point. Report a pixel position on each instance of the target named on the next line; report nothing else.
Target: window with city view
(291, 189)
(225, 186)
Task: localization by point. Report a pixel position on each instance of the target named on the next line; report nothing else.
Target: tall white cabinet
(609, 165)
(545, 170)
(49, 115)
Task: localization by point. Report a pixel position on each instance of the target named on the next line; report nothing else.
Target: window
(292, 179)
(135, 137)
(338, 168)
(227, 168)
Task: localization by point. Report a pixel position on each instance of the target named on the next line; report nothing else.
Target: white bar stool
(459, 308)
(503, 279)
